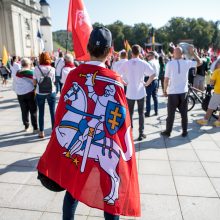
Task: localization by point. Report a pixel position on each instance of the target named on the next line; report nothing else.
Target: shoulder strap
(42, 71)
(61, 73)
(57, 63)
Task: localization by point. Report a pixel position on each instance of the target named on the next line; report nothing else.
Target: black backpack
(45, 83)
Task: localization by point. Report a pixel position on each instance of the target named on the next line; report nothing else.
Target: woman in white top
(15, 66)
(67, 68)
(44, 79)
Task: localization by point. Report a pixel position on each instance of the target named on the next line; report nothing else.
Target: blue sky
(157, 12)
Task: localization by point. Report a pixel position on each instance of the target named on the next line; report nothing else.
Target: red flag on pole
(79, 24)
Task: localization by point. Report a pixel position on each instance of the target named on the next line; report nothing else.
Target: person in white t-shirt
(176, 88)
(117, 65)
(152, 89)
(15, 66)
(69, 65)
(133, 72)
(59, 64)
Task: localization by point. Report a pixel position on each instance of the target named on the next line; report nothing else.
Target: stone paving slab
(198, 208)
(179, 177)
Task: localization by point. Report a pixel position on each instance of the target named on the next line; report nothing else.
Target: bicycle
(192, 97)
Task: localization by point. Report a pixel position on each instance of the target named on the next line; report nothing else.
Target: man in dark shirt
(199, 79)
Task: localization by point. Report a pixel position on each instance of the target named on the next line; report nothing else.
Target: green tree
(216, 35)
(117, 34)
(61, 38)
(141, 33)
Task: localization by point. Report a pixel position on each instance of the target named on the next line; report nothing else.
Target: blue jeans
(58, 84)
(151, 90)
(69, 208)
(51, 100)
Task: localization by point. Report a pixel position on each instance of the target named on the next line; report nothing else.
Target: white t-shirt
(177, 71)
(117, 65)
(156, 66)
(45, 69)
(96, 63)
(64, 74)
(133, 72)
(15, 68)
(59, 64)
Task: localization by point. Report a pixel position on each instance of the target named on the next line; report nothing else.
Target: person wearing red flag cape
(91, 152)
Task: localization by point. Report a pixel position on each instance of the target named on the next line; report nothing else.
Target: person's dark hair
(13, 60)
(136, 49)
(99, 52)
(161, 60)
(61, 54)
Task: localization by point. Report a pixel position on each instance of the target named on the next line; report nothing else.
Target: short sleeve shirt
(177, 71)
(216, 77)
(133, 72)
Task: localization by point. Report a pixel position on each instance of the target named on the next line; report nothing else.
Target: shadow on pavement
(9, 101)
(19, 138)
(9, 106)
(25, 165)
(194, 131)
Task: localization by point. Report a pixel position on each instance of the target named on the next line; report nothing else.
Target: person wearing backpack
(44, 79)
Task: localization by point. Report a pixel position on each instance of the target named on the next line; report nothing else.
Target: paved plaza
(179, 177)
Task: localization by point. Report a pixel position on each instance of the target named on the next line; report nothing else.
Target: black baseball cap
(101, 37)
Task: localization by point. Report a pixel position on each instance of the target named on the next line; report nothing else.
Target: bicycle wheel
(191, 102)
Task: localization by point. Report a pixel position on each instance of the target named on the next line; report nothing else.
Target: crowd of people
(36, 81)
(137, 79)
(143, 73)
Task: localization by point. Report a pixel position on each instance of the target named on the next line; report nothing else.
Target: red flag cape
(91, 152)
(79, 24)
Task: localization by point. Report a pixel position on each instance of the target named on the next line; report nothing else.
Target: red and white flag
(80, 26)
(91, 152)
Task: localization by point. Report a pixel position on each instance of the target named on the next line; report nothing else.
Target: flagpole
(67, 36)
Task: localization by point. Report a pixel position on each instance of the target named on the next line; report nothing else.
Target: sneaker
(216, 124)
(26, 129)
(165, 133)
(156, 113)
(202, 122)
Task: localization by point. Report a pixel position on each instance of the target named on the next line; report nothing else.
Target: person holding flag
(91, 152)
(3, 68)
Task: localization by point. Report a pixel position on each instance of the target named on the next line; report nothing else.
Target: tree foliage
(203, 33)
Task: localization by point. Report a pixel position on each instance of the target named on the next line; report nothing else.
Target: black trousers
(28, 104)
(177, 101)
(140, 103)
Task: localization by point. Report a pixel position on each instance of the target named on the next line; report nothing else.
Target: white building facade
(20, 21)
